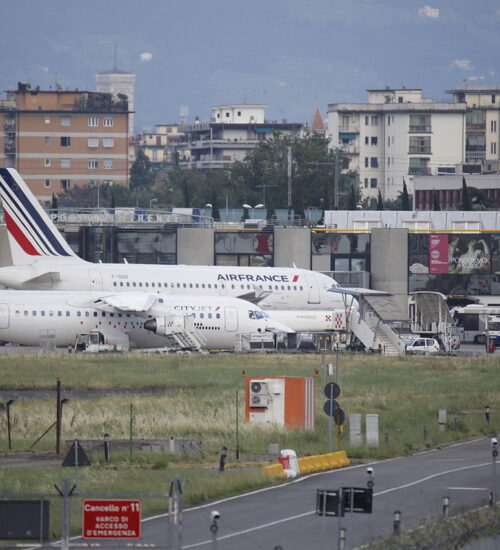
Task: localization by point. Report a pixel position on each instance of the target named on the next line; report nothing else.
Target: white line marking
(467, 488)
(263, 526)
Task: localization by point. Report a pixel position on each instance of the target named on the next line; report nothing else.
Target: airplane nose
(151, 325)
(276, 326)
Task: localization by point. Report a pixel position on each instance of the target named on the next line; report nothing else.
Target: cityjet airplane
(129, 320)
(42, 260)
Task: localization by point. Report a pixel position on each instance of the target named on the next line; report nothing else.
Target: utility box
(283, 400)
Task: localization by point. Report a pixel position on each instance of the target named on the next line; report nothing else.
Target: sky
(292, 55)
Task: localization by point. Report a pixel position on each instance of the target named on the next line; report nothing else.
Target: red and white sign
(111, 519)
(438, 253)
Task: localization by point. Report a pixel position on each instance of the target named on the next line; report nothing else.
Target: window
(46, 184)
(93, 142)
(65, 120)
(366, 140)
(65, 185)
(389, 120)
(493, 147)
(374, 140)
(367, 120)
(493, 98)
(420, 123)
(47, 162)
(239, 112)
(93, 121)
(65, 163)
(373, 183)
(108, 164)
(366, 182)
(493, 125)
(47, 140)
(65, 141)
(374, 120)
(47, 120)
(366, 162)
(93, 164)
(388, 161)
(108, 121)
(419, 166)
(420, 145)
(228, 115)
(374, 162)
(109, 142)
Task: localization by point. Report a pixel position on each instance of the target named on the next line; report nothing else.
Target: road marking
(467, 488)
(245, 531)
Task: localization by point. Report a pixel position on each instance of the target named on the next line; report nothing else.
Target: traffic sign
(332, 390)
(330, 407)
(339, 416)
(111, 519)
(357, 499)
(328, 502)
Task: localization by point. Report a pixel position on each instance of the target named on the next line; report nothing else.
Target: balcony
(419, 171)
(349, 128)
(420, 129)
(419, 150)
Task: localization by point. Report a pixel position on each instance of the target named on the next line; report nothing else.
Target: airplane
(42, 260)
(129, 320)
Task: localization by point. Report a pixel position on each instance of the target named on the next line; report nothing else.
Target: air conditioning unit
(259, 393)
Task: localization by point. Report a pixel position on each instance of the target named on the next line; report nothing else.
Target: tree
(405, 197)
(466, 202)
(141, 172)
(435, 201)
(380, 202)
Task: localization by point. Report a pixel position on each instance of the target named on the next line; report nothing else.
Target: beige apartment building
(58, 139)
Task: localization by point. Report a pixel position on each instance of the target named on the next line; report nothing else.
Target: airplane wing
(357, 291)
(123, 302)
(256, 296)
(127, 302)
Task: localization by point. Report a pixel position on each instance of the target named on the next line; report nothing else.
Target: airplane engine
(164, 326)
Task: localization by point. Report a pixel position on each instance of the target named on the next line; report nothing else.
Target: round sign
(339, 416)
(330, 407)
(332, 390)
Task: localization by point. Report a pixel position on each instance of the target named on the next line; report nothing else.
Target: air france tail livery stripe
(25, 223)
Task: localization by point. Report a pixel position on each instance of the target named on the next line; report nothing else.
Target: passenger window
(134, 284)
(146, 284)
(25, 313)
(202, 315)
(121, 283)
(59, 313)
(209, 315)
(114, 283)
(217, 315)
(215, 285)
(190, 285)
(128, 284)
(140, 284)
(87, 314)
(184, 285)
(209, 285)
(68, 314)
(34, 313)
(42, 313)
(153, 285)
(95, 313)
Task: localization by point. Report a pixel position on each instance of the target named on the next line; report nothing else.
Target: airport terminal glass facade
(340, 251)
(114, 245)
(246, 248)
(454, 264)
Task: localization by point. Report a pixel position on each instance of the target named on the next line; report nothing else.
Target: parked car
(422, 345)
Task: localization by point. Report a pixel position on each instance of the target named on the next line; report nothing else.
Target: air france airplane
(129, 320)
(42, 260)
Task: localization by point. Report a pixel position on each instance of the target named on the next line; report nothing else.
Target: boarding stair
(183, 335)
(378, 324)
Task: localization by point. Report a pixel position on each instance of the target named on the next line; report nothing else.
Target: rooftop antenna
(114, 66)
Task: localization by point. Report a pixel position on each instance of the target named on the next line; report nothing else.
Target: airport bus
(474, 320)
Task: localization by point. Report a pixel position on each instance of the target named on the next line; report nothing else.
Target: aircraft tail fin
(32, 235)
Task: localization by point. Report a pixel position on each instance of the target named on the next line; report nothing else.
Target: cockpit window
(251, 314)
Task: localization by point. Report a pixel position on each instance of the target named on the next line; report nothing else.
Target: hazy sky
(293, 55)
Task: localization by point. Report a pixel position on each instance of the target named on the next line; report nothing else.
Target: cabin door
(4, 316)
(231, 316)
(312, 285)
(95, 279)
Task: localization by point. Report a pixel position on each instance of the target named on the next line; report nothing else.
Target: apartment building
(161, 146)
(58, 139)
(483, 124)
(232, 132)
(396, 135)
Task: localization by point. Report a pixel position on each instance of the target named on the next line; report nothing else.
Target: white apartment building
(232, 132)
(396, 135)
(483, 123)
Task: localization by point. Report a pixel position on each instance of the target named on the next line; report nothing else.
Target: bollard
(425, 432)
(397, 522)
(494, 454)
(487, 414)
(446, 506)
(214, 527)
(107, 455)
(223, 456)
(342, 538)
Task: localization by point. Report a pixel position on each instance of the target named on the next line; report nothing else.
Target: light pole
(251, 208)
(151, 203)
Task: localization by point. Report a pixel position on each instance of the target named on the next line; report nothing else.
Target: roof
(114, 71)
(317, 121)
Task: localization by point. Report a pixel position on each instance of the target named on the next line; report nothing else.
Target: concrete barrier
(308, 464)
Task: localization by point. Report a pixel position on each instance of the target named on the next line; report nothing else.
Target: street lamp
(151, 202)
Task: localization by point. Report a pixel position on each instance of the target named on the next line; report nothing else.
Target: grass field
(194, 397)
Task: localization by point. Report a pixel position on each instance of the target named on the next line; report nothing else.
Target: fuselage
(34, 318)
(284, 288)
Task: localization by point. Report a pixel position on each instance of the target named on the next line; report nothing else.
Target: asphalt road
(284, 516)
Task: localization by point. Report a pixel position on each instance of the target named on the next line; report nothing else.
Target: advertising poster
(438, 253)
